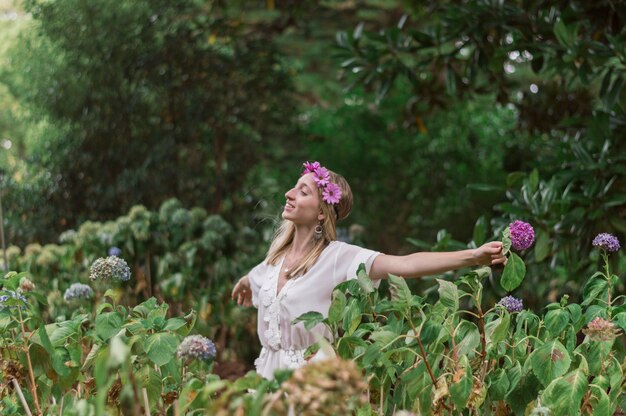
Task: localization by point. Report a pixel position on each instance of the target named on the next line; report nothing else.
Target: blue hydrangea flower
(110, 268)
(11, 295)
(196, 347)
(522, 235)
(78, 291)
(115, 251)
(607, 242)
(511, 304)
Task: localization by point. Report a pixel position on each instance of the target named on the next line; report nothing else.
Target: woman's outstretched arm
(429, 263)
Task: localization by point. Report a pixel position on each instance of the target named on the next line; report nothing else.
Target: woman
(305, 262)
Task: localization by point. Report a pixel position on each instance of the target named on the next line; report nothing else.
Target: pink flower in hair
(331, 194)
(321, 176)
(310, 167)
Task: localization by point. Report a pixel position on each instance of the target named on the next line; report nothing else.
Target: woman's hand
(242, 292)
(489, 254)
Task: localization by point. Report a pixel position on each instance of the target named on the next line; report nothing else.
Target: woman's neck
(302, 241)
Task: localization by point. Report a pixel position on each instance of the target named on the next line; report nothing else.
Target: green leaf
(594, 287)
(496, 330)
(108, 324)
(364, 280)
(513, 274)
(506, 241)
(448, 294)
(600, 402)
(564, 395)
(462, 383)
(467, 338)
(148, 377)
(174, 323)
(56, 355)
(498, 384)
(337, 305)
(161, 347)
(550, 361)
(352, 319)
(399, 290)
(563, 34)
(556, 320)
(310, 319)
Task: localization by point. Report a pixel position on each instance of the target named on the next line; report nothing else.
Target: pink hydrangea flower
(321, 176)
(522, 235)
(310, 167)
(331, 194)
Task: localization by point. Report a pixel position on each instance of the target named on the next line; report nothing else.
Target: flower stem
(609, 281)
(33, 386)
(423, 353)
(17, 388)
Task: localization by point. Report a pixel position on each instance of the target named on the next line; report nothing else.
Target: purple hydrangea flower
(78, 291)
(511, 304)
(607, 242)
(522, 235)
(110, 268)
(196, 347)
(11, 295)
(115, 251)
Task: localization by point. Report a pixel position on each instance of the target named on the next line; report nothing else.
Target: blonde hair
(283, 237)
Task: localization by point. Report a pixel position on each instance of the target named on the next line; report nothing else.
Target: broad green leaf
(513, 274)
(364, 280)
(174, 323)
(467, 338)
(161, 347)
(383, 337)
(337, 306)
(600, 402)
(564, 34)
(564, 395)
(594, 288)
(556, 320)
(496, 330)
(56, 355)
(550, 361)
(148, 377)
(352, 319)
(498, 384)
(310, 319)
(448, 294)
(399, 289)
(430, 331)
(108, 324)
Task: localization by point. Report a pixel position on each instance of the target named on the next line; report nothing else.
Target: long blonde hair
(284, 235)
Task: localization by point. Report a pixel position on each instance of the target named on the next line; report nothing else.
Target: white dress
(284, 344)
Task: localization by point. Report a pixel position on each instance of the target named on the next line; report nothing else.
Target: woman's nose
(289, 194)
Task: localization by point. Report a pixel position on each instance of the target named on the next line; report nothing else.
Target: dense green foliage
(450, 119)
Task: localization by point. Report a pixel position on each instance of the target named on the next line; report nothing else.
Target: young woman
(305, 262)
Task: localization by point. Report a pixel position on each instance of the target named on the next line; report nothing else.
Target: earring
(317, 233)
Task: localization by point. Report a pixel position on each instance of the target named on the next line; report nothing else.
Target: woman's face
(303, 202)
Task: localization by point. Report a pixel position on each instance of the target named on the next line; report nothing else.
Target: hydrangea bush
(461, 354)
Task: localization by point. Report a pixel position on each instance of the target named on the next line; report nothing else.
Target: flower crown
(331, 192)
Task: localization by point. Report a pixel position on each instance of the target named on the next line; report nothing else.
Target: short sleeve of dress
(348, 257)
(256, 276)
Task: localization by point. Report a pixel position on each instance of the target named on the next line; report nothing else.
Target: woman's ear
(321, 216)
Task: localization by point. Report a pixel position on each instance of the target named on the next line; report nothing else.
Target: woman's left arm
(430, 263)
